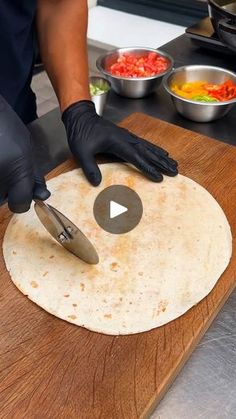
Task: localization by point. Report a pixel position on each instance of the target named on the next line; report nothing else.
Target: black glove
(89, 134)
(19, 181)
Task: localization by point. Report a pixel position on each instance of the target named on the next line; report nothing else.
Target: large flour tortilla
(146, 277)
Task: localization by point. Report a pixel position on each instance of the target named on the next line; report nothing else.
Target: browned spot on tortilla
(163, 263)
(140, 273)
(130, 181)
(121, 299)
(130, 302)
(64, 186)
(108, 316)
(66, 295)
(72, 317)
(104, 301)
(34, 284)
(123, 250)
(162, 197)
(74, 305)
(82, 286)
(45, 273)
(114, 266)
(90, 226)
(14, 252)
(161, 308)
(162, 304)
(93, 272)
(84, 188)
(51, 257)
(108, 179)
(183, 190)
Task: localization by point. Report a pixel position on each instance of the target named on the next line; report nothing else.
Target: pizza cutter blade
(66, 233)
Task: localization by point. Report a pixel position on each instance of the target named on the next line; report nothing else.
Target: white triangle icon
(116, 209)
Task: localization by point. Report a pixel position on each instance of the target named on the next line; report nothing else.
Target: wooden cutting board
(52, 369)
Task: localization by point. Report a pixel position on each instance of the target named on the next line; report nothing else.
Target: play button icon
(118, 209)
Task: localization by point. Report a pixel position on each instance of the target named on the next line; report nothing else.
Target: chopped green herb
(97, 90)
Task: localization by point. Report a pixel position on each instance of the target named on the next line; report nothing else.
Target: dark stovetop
(203, 35)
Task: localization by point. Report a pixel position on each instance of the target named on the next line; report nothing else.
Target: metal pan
(223, 17)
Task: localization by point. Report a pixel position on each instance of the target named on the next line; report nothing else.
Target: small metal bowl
(100, 99)
(199, 111)
(137, 87)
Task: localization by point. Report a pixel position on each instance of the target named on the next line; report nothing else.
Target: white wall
(121, 29)
(92, 3)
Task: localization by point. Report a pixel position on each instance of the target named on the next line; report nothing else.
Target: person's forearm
(62, 33)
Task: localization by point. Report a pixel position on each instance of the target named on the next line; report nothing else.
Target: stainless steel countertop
(206, 386)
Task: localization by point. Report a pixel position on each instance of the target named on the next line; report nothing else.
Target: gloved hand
(19, 181)
(89, 134)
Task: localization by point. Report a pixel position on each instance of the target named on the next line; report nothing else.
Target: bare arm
(62, 33)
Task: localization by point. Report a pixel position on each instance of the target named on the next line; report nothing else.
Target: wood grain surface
(53, 369)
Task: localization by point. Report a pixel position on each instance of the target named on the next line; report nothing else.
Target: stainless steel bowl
(199, 111)
(132, 87)
(100, 99)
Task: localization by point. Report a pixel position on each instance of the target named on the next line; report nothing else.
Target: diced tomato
(152, 56)
(128, 65)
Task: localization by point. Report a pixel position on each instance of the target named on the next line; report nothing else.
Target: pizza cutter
(66, 233)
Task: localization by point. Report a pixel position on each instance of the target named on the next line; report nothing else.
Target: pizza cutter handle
(63, 232)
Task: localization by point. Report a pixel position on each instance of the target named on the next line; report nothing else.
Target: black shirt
(17, 55)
